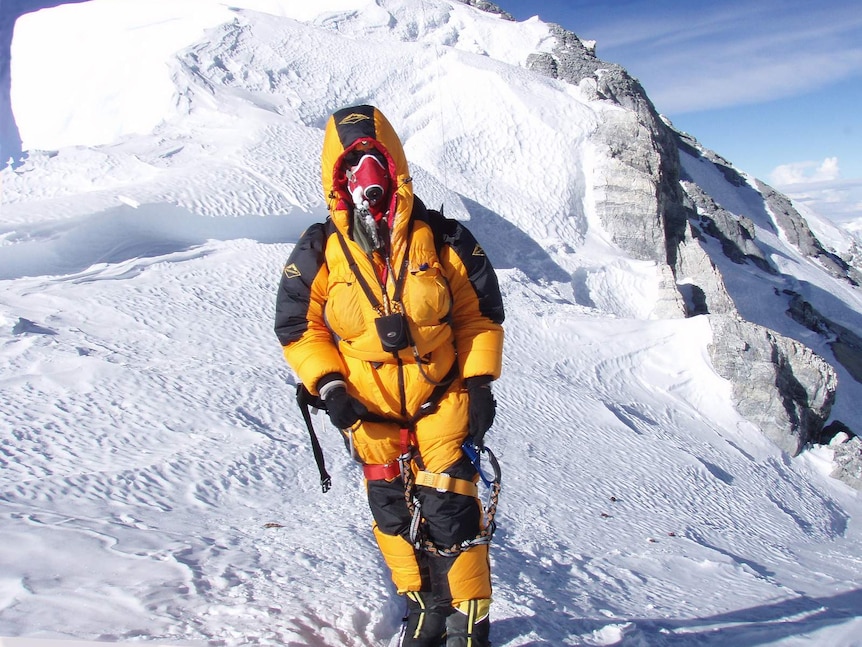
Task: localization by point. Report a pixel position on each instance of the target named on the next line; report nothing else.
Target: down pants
(450, 517)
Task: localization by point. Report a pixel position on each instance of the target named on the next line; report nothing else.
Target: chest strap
(363, 282)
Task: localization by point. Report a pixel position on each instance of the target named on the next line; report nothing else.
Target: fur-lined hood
(349, 133)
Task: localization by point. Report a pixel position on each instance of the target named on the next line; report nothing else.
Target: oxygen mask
(368, 184)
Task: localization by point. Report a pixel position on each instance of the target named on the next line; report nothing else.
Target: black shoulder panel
(483, 278)
(441, 227)
(294, 291)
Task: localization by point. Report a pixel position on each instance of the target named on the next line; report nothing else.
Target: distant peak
(490, 7)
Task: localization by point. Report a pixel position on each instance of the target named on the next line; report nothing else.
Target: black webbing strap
(430, 405)
(305, 401)
(360, 278)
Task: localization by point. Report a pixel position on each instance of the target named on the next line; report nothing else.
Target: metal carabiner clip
(475, 456)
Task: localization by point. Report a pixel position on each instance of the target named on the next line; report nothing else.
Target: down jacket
(436, 275)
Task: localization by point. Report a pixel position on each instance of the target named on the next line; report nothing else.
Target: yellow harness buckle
(446, 483)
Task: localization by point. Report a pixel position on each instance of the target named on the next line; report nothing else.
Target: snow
(130, 83)
(157, 485)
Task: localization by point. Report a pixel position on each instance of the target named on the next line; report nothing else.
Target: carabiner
(474, 454)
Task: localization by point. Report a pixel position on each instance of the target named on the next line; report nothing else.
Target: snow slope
(157, 485)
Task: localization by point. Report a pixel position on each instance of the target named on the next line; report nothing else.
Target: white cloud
(796, 173)
(737, 53)
(820, 187)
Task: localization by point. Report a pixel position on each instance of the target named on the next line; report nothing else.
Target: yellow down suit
(438, 277)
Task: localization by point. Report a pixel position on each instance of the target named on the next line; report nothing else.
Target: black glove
(482, 407)
(343, 409)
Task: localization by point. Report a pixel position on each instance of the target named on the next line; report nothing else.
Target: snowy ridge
(157, 485)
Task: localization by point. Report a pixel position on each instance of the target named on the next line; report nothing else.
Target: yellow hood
(361, 128)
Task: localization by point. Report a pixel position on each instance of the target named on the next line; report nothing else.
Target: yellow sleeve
(477, 313)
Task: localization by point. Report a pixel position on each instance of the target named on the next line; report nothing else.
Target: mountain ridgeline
(675, 332)
(656, 206)
(782, 305)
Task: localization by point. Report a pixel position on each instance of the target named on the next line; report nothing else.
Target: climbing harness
(403, 467)
(489, 506)
(394, 336)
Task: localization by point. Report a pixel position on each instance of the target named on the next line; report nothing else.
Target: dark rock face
(848, 462)
(490, 7)
(643, 177)
(736, 234)
(778, 383)
(846, 345)
(797, 230)
(655, 212)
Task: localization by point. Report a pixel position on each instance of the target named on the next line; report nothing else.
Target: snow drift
(157, 485)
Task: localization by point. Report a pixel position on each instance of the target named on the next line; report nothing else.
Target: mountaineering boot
(469, 625)
(426, 622)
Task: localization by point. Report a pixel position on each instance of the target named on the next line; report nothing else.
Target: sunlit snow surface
(157, 484)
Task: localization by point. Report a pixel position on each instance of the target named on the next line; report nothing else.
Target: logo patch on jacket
(292, 271)
(354, 118)
(478, 251)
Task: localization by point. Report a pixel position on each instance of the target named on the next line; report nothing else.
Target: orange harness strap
(446, 483)
(391, 469)
(382, 472)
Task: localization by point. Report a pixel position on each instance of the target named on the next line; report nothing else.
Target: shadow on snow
(556, 618)
(124, 233)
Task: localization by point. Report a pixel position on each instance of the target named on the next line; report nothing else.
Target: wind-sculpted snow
(156, 480)
(160, 451)
(127, 233)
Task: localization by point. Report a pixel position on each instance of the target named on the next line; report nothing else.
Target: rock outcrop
(653, 211)
(641, 178)
(847, 461)
(489, 7)
(778, 383)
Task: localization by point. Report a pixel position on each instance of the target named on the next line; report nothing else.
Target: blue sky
(774, 86)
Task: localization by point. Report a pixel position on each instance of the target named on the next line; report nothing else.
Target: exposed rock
(736, 234)
(799, 233)
(654, 213)
(700, 282)
(671, 300)
(781, 209)
(846, 345)
(737, 237)
(848, 462)
(778, 383)
(693, 148)
(626, 187)
(642, 176)
(489, 7)
(835, 430)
